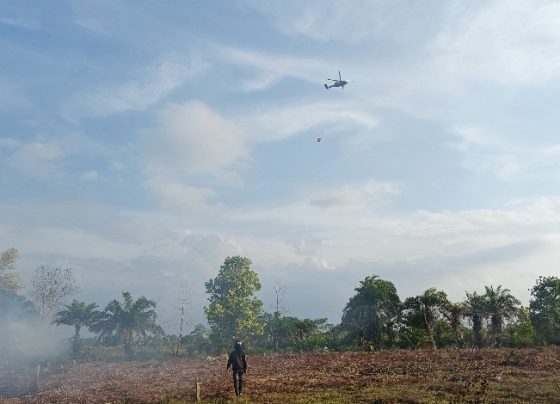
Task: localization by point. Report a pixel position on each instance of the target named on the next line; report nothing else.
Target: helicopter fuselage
(339, 83)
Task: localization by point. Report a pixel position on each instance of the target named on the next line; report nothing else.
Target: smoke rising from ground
(24, 341)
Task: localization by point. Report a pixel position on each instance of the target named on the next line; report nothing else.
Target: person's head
(238, 346)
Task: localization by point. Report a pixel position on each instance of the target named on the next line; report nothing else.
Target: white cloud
(9, 143)
(326, 207)
(361, 195)
(278, 122)
(193, 140)
(452, 250)
(504, 42)
(149, 86)
(51, 156)
(91, 175)
(307, 246)
(487, 152)
(20, 22)
(36, 158)
(180, 196)
(352, 21)
(271, 67)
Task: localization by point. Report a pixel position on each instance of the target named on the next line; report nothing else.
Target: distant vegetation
(375, 317)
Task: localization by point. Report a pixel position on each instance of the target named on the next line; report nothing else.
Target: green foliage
(78, 315)
(295, 334)
(520, 333)
(544, 310)
(128, 320)
(197, 342)
(369, 315)
(476, 311)
(424, 310)
(373, 318)
(233, 311)
(413, 337)
(454, 313)
(499, 305)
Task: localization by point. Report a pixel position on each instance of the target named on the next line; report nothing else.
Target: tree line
(375, 317)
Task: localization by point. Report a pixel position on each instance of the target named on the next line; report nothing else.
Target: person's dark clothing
(238, 362)
(238, 382)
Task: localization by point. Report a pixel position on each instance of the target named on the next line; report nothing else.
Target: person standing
(238, 362)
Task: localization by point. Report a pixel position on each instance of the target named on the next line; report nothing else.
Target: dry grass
(530, 375)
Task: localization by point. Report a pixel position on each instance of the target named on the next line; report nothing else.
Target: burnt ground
(489, 375)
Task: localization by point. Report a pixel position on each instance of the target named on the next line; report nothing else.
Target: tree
(295, 331)
(78, 315)
(197, 341)
(454, 312)
(500, 305)
(274, 323)
(368, 314)
(50, 287)
(544, 309)
(233, 310)
(128, 320)
(8, 279)
(476, 311)
(520, 333)
(426, 309)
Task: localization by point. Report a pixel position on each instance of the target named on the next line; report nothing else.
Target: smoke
(23, 337)
(23, 341)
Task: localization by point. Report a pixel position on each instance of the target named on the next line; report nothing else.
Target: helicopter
(337, 83)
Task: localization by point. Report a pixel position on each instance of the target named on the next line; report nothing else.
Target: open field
(505, 375)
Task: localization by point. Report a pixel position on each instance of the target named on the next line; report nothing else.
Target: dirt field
(506, 375)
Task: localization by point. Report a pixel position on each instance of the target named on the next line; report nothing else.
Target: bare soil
(489, 375)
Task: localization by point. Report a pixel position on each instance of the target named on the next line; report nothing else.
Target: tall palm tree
(427, 308)
(454, 312)
(476, 310)
(129, 320)
(500, 306)
(78, 315)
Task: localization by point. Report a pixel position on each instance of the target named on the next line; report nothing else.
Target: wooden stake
(38, 374)
(197, 387)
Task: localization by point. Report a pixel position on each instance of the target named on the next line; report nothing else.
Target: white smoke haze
(26, 342)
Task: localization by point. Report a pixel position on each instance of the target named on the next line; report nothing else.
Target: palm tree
(427, 308)
(500, 306)
(128, 320)
(77, 314)
(454, 312)
(476, 310)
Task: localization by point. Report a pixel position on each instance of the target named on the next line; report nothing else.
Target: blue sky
(143, 142)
